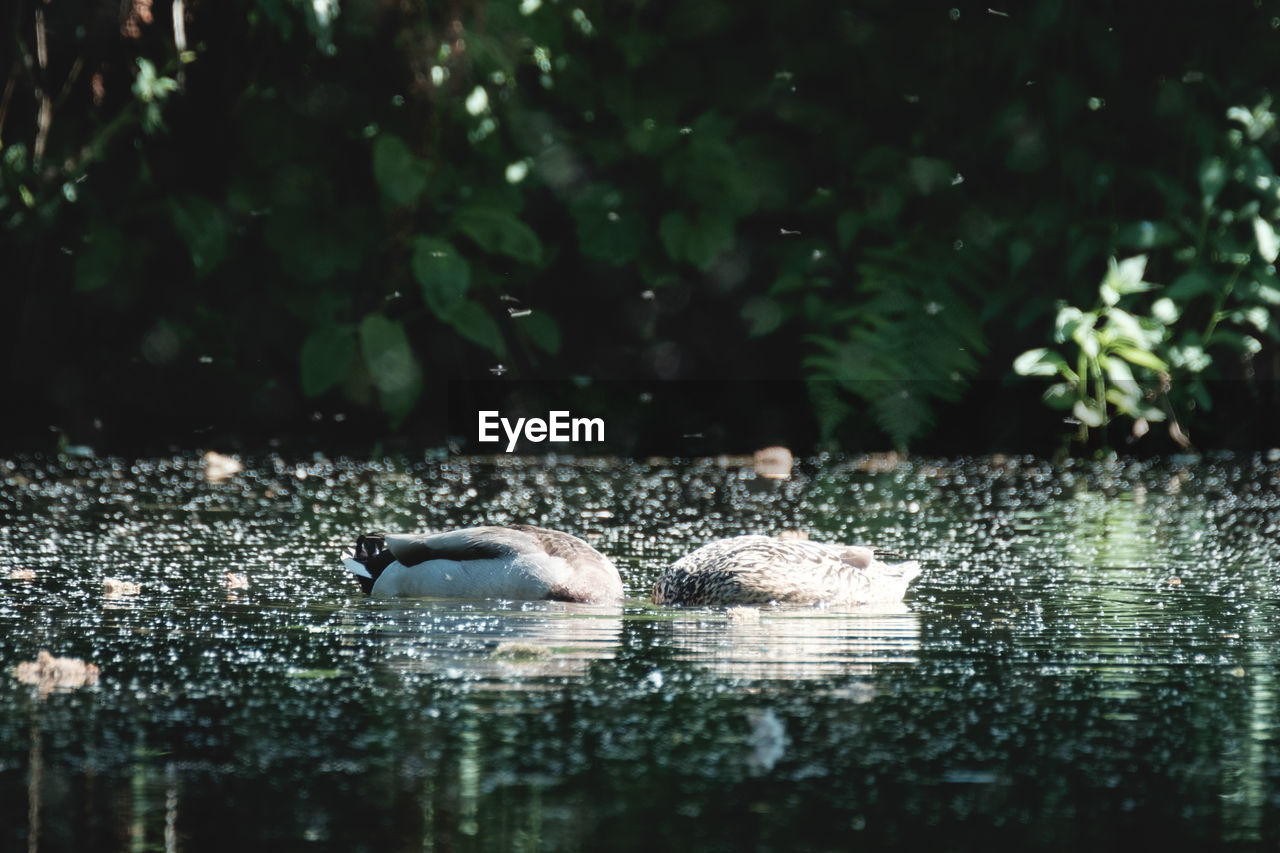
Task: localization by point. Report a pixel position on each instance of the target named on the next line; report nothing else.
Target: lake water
(1089, 661)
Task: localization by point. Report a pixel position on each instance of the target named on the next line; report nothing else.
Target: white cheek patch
(356, 568)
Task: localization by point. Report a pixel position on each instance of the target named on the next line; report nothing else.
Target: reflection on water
(520, 646)
(749, 643)
(1087, 661)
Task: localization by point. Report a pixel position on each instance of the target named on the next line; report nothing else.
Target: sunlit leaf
(1116, 369)
(1042, 362)
(1213, 177)
(1141, 357)
(1127, 398)
(1110, 296)
(1165, 310)
(1192, 357)
(1068, 320)
(1088, 413)
(1122, 326)
(1268, 245)
(1125, 277)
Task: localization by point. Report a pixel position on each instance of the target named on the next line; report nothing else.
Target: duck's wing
(472, 543)
(553, 543)
(858, 556)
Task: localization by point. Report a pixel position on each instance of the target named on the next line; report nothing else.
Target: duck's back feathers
(519, 561)
(759, 570)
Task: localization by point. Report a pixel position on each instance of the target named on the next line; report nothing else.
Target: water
(1088, 660)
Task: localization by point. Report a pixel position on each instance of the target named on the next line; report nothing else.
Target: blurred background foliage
(269, 217)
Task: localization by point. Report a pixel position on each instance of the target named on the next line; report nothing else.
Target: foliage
(1109, 343)
(1218, 308)
(308, 210)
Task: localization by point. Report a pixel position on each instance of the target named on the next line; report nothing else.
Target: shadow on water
(1087, 661)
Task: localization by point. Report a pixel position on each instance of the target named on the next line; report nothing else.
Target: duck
(517, 561)
(762, 570)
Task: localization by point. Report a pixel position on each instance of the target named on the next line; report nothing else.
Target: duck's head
(370, 557)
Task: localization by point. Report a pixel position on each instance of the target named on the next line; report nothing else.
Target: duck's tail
(368, 559)
(889, 581)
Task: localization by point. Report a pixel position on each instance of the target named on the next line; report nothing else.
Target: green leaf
(1213, 177)
(1059, 395)
(1125, 277)
(1117, 369)
(1268, 245)
(1088, 413)
(391, 365)
(1165, 310)
(1147, 235)
(700, 241)
(474, 323)
(1126, 398)
(442, 274)
(102, 256)
(1070, 321)
(1121, 327)
(1141, 357)
(326, 356)
(762, 315)
(848, 224)
(543, 330)
(401, 176)
(498, 232)
(1241, 343)
(204, 229)
(608, 230)
(1188, 286)
(385, 346)
(671, 230)
(1043, 362)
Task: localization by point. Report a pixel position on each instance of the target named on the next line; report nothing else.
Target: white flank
(516, 578)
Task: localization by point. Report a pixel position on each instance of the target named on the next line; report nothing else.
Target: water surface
(1088, 660)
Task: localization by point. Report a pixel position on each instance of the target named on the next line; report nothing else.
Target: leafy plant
(1218, 307)
(905, 343)
(1096, 379)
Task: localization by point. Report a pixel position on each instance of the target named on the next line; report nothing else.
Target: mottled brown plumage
(760, 570)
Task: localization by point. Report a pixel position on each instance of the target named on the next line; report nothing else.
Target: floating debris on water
(48, 673)
(773, 463)
(520, 651)
(220, 467)
(117, 588)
